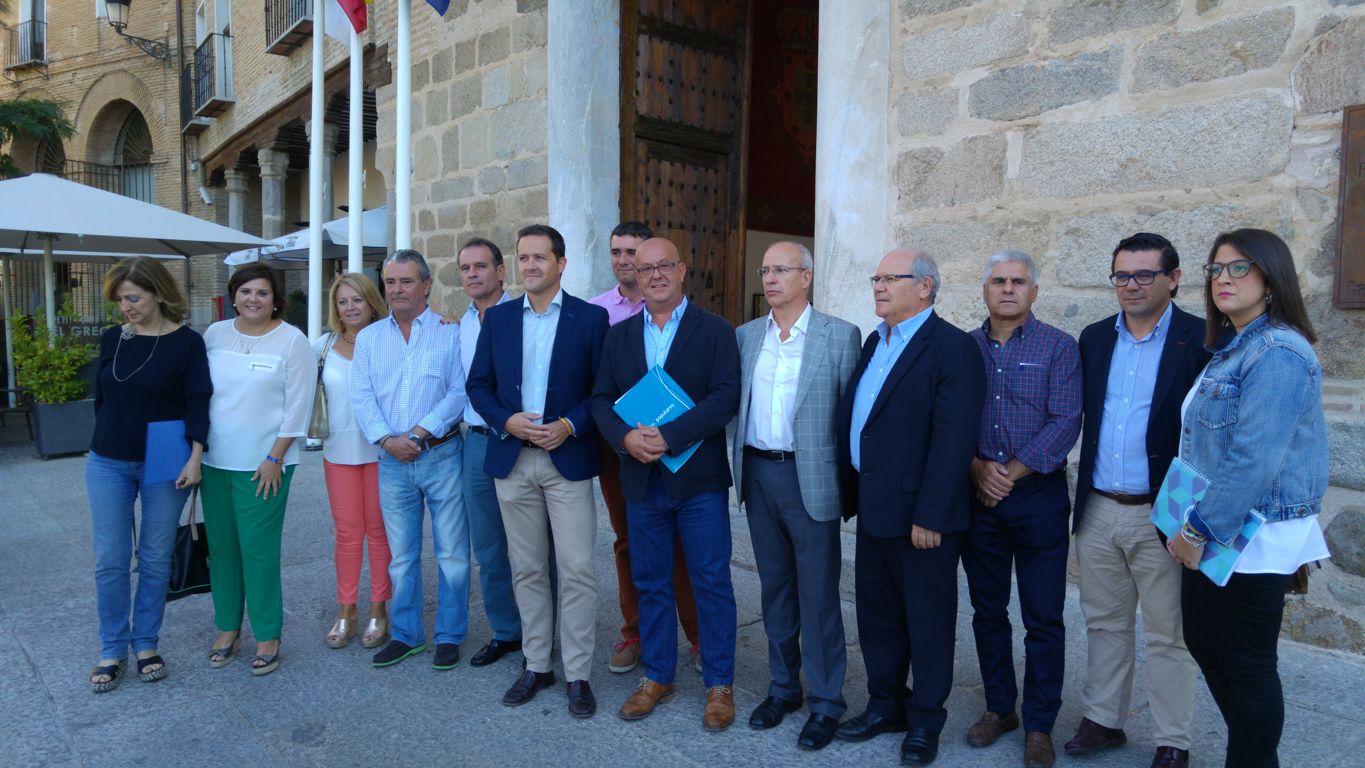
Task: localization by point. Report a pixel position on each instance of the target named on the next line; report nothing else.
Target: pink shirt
(618, 307)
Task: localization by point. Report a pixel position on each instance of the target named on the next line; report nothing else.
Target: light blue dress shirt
(658, 342)
(470, 326)
(399, 383)
(884, 358)
(537, 345)
(1121, 460)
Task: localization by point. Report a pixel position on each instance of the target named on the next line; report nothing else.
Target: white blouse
(262, 390)
(1281, 546)
(346, 444)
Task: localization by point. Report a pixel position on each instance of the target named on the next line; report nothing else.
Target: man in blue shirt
(542, 454)
(1136, 366)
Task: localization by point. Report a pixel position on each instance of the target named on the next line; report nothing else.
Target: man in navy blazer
(532, 378)
(1136, 367)
(698, 350)
(908, 427)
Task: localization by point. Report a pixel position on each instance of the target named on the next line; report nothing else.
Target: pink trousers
(353, 490)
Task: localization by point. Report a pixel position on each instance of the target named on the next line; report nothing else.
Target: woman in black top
(151, 369)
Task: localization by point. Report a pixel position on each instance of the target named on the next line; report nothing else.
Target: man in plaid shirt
(1031, 418)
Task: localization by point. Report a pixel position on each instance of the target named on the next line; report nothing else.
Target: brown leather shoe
(1092, 737)
(1038, 752)
(648, 696)
(989, 728)
(1170, 757)
(720, 708)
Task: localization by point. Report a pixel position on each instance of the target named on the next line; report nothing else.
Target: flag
(341, 14)
(439, 5)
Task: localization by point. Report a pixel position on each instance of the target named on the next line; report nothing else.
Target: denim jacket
(1256, 430)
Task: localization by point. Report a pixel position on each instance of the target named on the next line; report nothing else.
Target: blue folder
(167, 451)
(657, 399)
(1184, 487)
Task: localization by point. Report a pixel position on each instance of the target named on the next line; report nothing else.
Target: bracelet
(567, 425)
(1189, 534)
(384, 439)
(273, 460)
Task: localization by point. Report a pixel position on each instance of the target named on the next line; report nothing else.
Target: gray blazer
(827, 362)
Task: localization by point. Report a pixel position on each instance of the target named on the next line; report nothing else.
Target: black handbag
(190, 558)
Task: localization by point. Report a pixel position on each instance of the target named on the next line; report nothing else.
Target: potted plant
(47, 366)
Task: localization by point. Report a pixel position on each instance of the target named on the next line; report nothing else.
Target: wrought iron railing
(212, 74)
(135, 181)
(287, 24)
(27, 44)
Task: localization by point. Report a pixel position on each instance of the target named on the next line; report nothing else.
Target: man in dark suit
(1137, 367)
(698, 350)
(908, 428)
(542, 455)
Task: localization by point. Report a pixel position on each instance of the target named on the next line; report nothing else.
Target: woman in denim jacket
(1253, 426)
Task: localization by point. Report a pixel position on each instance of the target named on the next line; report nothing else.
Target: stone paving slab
(330, 708)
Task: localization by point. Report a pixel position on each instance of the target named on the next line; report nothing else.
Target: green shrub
(46, 364)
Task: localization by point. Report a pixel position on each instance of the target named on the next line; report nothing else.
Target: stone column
(851, 153)
(330, 132)
(236, 191)
(274, 165)
(584, 151)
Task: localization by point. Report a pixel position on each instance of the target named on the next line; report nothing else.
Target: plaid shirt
(1033, 396)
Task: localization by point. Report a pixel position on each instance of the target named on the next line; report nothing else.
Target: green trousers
(244, 550)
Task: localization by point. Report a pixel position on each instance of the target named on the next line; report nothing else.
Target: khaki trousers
(537, 502)
(1124, 567)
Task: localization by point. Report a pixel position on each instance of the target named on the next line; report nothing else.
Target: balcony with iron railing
(133, 180)
(26, 45)
(209, 76)
(189, 122)
(288, 23)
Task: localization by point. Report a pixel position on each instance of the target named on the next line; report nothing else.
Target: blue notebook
(167, 451)
(1183, 487)
(657, 399)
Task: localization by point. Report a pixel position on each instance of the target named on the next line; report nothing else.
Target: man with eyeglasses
(1136, 367)
(1031, 419)
(908, 427)
(795, 364)
(697, 349)
(622, 302)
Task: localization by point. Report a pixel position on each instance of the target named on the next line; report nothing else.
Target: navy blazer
(494, 384)
(1183, 358)
(704, 360)
(920, 437)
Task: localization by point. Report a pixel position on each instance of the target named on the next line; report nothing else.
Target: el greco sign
(1349, 285)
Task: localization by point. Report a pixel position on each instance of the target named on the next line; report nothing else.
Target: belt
(531, 445)
(770, 455)
(432, 442)
(485, 431)
(1127, 499)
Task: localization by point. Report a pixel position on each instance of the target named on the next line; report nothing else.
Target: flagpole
(316, 159)
(402, 177)
(355, 232)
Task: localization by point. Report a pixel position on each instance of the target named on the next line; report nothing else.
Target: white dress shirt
(470, 325)
(397, 383)
(772, 396)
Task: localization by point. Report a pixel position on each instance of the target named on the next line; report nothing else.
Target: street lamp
(118, 19)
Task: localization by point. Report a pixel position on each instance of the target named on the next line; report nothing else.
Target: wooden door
(684, 74)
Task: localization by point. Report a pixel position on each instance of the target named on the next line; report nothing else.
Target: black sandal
(113, 671)
(156, 674)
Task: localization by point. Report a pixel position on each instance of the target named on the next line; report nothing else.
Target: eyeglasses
(664, 268)
(1142, 276)
(888, 280)
(1236, 269)
(779, 271)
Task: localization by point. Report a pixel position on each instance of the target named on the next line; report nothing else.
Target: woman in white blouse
(351, 465)
(263, 379)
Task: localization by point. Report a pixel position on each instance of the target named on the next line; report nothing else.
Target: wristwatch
(419, 440)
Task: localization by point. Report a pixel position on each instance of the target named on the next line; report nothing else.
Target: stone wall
(1060, 126)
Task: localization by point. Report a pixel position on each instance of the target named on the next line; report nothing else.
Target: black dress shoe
(817, 733)
(867, 725)
(582, 704)
(920, 747)
(447, 656)
(495, 650)
(770, 713)
(526, 687)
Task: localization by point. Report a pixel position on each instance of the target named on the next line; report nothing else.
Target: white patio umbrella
(48, 213)
(375, 228)
(294, 246)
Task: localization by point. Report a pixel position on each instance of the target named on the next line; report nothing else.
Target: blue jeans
(112, 486)
(702, 522)
(434, 478)
(490, 541)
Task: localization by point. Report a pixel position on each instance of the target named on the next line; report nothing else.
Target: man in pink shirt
(623, 301)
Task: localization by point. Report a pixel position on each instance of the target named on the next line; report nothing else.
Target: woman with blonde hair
(351, 466)
(152, 368)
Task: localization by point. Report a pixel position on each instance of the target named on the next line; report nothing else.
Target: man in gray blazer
(795, 365)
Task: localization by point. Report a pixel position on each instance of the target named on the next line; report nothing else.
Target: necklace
(126, 334)
(246, 342)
